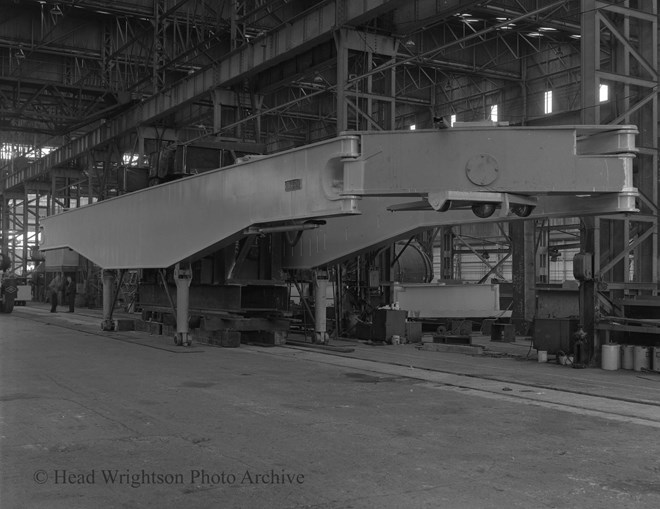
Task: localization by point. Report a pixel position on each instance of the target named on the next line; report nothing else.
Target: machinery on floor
(8, 287)
(219, 246)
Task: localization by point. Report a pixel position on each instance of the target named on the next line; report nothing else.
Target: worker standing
(70, 293)
(55, 286)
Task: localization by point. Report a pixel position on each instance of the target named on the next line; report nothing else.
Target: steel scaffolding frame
(620, 49)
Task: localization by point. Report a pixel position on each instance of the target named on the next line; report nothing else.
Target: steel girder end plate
(600, 140)
(622, 202)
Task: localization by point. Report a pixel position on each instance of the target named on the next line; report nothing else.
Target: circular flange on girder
(482, 169)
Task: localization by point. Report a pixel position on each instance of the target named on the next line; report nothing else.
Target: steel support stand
(182, 278)
(109, 277)
(589, 289)
(320, 304)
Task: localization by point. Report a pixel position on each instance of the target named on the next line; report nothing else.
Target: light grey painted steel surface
(514, 160)
(162, 225)
(573, 162)
(567, 171)
(342, 238)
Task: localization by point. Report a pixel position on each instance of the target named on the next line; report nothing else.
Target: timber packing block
(224, 338)
(124, 324)
(442, 347)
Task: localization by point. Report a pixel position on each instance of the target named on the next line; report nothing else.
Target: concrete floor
(127, 420)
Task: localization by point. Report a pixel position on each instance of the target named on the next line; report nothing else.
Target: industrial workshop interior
(329, 254)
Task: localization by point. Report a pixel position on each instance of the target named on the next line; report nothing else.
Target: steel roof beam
(304, 31)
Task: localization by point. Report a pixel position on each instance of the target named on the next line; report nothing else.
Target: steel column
(25, 232)
(342, 80)
(182, 278)
(4, 238)
(320, 307)
(590, 47)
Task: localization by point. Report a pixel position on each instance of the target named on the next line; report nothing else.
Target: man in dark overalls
(55, 286)
(70, 293)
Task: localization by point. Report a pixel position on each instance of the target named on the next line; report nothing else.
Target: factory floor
(128, 420)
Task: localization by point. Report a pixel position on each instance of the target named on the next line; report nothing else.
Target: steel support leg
(320, 304)
(590, 243)
(182, 278)
(524, 275)
(109, 277)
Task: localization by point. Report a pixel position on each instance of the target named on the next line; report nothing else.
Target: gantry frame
(344, 66)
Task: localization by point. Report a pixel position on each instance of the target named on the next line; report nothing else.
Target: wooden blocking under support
(140, 325)
(452, 339)
(252, 329)
(124, 324)
(273, 337)
(153, 328)
(443, 347)
(224, 338)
